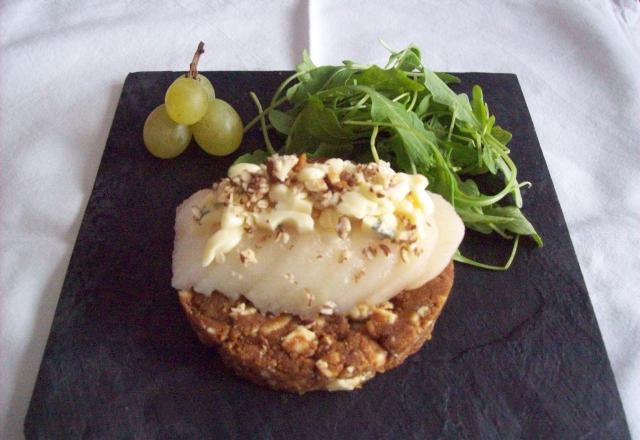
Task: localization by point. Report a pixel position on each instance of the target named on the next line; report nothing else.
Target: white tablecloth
(62, 65)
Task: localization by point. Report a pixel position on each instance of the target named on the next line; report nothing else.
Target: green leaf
(488, 126)
(316, 124)
(281, 121)
(410, 59)
(324, 150)
(479, 107)
(318, 79)
(488, 159)
(444, 95)
(501, 135)
(513, 220)
(448, 78)
(423, 106)
(461, 154)
(409, 127)
(257, 157)
(393, 81)
(474, 220)
(401, 159)
(469, 187)
(306, 63)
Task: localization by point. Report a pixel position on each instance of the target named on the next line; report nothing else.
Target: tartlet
(314, 276)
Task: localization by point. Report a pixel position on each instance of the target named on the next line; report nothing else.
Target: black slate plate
(514, 355)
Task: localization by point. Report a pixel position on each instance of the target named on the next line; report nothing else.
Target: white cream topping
(379, 201)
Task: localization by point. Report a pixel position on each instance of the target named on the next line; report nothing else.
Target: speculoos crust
(330, 352)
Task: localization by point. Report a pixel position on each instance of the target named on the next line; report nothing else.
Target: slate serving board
(515, 354)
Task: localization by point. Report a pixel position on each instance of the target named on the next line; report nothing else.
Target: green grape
(186, 100)
(206, 84)
(219, 132)
(162, 136)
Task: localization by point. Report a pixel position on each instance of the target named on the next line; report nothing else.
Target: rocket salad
(407, 115)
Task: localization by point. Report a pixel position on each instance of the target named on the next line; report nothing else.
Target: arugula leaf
(324, 150)
(501, 135)
(489, 159)
(408, 115)
(318, 79)
(407, 124)
(474, 219)
(410, 59)
(469, 187)
(423, 106)
(306, 64)
(281, 121)
(316, 124)
(448, 78)
(512, 220)
(461, 154)
(394, 81)
(479, 107)
(459, 104)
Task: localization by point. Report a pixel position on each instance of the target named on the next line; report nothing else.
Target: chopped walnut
(282, 236)
(323, 200)
(310, 297)
(279, 167)
(333, 177)
(348, 178)
(301, 341)
(262, 204)
(330, 365)
(380, 359)
(248, 256)
(328, 308)
(241, 310)
(387, 305)
(404, 254)
(360, 312)
(323, 367)
(302, 161)
(333, 357)
(369, 252)
(313, 178)
(380, 320)
(349, 384)
(275, 324)
(385, 316)
(345, 255)
(343, 227)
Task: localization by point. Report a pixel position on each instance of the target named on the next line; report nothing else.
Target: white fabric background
(62, 65)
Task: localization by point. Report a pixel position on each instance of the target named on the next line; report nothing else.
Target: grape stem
(193, 67)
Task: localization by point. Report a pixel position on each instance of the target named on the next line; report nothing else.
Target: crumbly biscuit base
(330, 352)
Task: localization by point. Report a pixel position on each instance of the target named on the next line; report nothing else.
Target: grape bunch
(191, 109)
